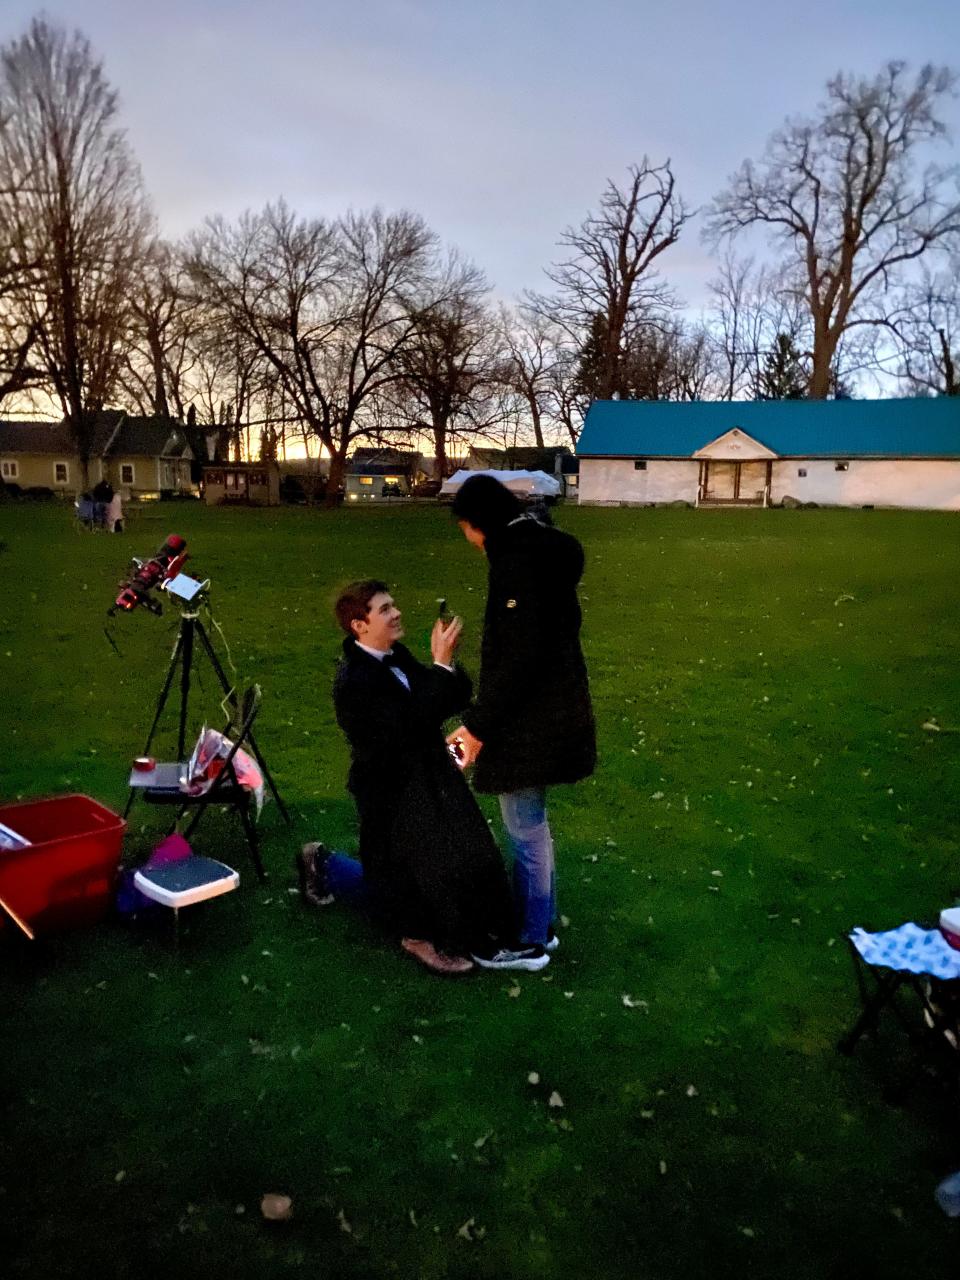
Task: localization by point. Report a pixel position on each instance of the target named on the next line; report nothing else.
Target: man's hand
(470, 747)
(444, 639)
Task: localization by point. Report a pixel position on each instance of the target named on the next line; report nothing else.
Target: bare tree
(609, 288)
(753, 308)
(930, 337)
(532, 347)
(166, 324)
(449, 371)
(841, 194)
(328, 307)
(73, 203)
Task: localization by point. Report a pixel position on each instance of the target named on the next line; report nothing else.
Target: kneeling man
(431, 870)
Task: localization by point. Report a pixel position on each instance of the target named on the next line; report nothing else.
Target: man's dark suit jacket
(432, 866)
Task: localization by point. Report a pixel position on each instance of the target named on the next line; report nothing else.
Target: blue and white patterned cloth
(909, 949)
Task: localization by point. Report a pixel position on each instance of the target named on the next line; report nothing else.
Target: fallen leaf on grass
(555, 1100)
(344, 1224)
(514, 991)
(630, 1003)
(533, 1077)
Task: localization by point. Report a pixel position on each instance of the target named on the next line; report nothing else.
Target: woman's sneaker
(531, 958)
(552, 943)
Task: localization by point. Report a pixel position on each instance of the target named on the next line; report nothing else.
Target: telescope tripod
(184, 654)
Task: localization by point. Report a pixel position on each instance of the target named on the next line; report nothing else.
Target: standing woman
(531, 725)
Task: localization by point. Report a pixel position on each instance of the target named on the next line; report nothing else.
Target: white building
(842, 453)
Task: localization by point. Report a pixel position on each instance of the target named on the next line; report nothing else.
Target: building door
(721, 483)
(235, 486)
(752, 482)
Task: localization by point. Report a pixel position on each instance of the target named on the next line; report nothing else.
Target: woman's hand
(444, 639)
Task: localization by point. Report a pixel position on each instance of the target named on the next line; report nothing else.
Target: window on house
(366, 479)
(572, 481)
(801, 471)
(9, 469)
(126, 473)
(841, 466)
(61, 473)
(639, 464)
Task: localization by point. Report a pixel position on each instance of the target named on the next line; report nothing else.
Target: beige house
(251, 483)
(140, 457)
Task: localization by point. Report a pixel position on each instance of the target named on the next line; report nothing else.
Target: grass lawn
(760, 680)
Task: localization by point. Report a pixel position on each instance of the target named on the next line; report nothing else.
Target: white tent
(525, 484)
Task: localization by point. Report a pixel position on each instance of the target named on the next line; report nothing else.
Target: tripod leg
(161, 703)
(165, 691)
(187, 633)
(228, 688)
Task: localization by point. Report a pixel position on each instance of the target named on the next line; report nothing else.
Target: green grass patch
(760, 680)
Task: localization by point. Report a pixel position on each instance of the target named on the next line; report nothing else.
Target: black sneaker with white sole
(530, 958)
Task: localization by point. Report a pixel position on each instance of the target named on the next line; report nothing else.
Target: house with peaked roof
(843, 453)
(137, 455)
(378, 475)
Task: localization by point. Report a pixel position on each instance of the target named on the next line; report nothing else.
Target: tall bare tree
(930, 336)
(531, 352)
(842, 195)
(449, 371)
(753, 307)
(329, 308)
(609, 287)
(166, 326)
(73, 201)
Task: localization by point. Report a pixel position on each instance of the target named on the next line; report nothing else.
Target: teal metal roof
(916, 428)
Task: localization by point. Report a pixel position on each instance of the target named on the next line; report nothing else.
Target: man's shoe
(530, 958)
(552, 943)
(436, 961)
(310, 861)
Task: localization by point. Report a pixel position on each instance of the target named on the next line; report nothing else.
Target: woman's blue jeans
(534, 874)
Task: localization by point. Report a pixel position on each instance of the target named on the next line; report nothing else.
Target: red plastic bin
(67, 874)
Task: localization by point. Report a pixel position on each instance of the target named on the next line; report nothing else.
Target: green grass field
(760, 680)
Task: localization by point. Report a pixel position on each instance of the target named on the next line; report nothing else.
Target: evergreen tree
(782, 375)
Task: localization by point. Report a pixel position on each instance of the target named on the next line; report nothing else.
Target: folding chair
(225, 791)
(904, 967)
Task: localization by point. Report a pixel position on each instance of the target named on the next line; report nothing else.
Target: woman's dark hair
(353, 602)
(486, 504)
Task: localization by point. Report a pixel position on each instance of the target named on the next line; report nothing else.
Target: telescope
(162, 572)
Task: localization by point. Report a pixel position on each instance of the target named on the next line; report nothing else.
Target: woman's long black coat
(431, 865)
(533, 712)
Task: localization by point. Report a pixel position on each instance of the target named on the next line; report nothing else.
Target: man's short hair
(486, 504)
(353, 602)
